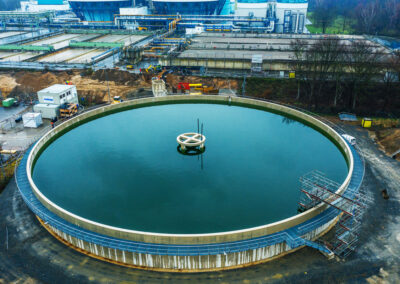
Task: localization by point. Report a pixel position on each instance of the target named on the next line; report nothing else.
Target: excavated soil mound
(119, 77)
(38, 80)
(7, 84)
(93, 88)
(216, 83)
(389, 140)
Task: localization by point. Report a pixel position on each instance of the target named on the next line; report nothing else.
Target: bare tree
(391, 70)
(330, 51)
(322, 61)
(367, 13)
(299, 48)
(315, 65)
(362, 63)
(338, 73)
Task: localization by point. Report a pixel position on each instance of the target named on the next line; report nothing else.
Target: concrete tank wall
(201, 260)
(188, 263)
(189, 238)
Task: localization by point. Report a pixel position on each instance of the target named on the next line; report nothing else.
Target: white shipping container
(32, 119)
(48, 111)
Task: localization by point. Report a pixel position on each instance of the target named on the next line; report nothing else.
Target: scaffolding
(317, 189)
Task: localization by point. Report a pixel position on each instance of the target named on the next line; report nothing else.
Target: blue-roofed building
(188, 7)
(44, 5)
(50, 2)
(101, 10)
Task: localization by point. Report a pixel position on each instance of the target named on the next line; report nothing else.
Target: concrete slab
(65, 55)
(131, 39)
(58, 41)
(7, 34)
(235, 54)
(87, 56)
(110, 38)
(18, 56)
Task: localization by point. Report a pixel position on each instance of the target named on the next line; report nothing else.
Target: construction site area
(106, 174)
(241, 53)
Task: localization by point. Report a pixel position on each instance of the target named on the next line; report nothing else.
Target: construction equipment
(153, 69)
(8, 152)
(68, 110)
(161, 75)
(200, 88)
(142, 29)
(116, 100)
(129, 67)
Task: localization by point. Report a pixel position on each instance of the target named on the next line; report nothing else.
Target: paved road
(33, 255)
(6, 113)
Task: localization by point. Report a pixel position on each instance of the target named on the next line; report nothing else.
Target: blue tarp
(345, 116)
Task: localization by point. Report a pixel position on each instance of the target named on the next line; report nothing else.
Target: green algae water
(124, 169)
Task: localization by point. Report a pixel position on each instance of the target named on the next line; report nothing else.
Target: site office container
(58, 94)
(48, 111)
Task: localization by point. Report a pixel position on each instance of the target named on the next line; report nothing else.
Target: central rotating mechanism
(190, 141)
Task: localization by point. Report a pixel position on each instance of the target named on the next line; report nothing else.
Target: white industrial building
(40, 6)
(290, 15)
(51, 99)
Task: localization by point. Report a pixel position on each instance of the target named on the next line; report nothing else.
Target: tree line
(342, 73)
(370, 16)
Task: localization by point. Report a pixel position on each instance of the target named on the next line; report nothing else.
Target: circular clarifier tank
(123, 170)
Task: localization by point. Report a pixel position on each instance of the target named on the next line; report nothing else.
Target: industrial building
(287, 16)
(44, 5)
(100, 11)
(263, 54)
(191, 7)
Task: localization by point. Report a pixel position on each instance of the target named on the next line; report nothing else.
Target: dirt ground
(388, 140)
(385, 133)
(7, 84)
(92, 86)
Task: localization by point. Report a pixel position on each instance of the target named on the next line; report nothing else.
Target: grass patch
(335, 28)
